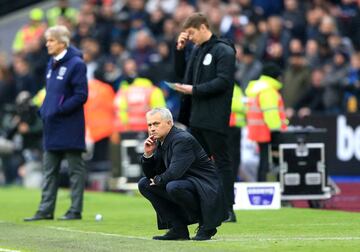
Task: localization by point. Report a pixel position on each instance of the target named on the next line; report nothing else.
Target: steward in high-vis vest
(99, 111)
(133, 101)
(237, 121)
(31, 32)
(265, 112)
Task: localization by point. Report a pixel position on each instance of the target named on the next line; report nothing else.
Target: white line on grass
(98, 233)
(217, 239)
(336, 238)
(312, 224)
(8, 250)
(248, 238)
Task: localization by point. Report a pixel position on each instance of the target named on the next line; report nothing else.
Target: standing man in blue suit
(62, 114)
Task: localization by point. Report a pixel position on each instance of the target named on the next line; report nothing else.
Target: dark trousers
(217, 147)
(235, 145)
(52, 161)
(177, 203)
(264, 161)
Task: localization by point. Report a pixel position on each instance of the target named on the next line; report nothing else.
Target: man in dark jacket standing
(181, 180)
(209, 78)
(64, 124)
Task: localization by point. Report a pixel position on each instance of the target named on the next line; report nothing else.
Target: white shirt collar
(60, 55)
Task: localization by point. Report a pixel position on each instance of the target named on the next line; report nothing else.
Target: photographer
(23, 127)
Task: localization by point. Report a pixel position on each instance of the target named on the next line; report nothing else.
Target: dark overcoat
(210, 69)
(62, 112)
(182, 157)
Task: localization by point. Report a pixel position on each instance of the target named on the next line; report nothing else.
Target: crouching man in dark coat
(181, 181)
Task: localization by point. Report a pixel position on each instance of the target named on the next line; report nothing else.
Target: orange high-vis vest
(99, 110)
(30, 33)
(258, 131)
(138, 103)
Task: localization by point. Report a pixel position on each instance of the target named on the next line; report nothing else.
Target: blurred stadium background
(316, 42)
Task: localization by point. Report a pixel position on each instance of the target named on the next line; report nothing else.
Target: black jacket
(182, 157)
(210, 70)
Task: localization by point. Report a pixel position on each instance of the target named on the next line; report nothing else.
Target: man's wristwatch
(157, 180)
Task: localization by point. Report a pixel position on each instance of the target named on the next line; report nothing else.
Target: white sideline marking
(345, 238)
(248, 238)
(216, 239)
(8, 250)
(99, 233)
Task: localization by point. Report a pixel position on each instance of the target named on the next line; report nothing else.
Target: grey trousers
(77, 172)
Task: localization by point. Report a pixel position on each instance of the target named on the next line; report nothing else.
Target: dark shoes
(204, 234)
(40, 216)
(71, 216)
(174, 234)
(183, 234)
(232, 217)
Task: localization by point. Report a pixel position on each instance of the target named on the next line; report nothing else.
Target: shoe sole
(180, 239)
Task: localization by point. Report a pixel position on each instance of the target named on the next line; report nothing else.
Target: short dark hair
(271, 69)
(195, 21)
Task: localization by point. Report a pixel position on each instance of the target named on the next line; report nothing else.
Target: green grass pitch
(129, 223)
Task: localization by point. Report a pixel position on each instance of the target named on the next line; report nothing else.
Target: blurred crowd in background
(316, 42)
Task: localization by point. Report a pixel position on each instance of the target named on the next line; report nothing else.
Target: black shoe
(71, 216)
(174, 234)
(40, 216)
(204, 234)
(232, 217)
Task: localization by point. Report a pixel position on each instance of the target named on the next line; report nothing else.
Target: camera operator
(24, 128)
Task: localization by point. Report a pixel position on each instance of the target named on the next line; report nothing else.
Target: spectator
(251, 36)
(311, 102)
(273, 45)
(161, 68)
(232, 24)
(104, 27)
(352, 86)
(313, 19)
(268, 8)
(356, 35)
(294, 19)
(118, 52)
(129, 73)
(334, 80)
(312, 52)
(166, 6)
(111, 72)
(62, 9)
(169, 31)
(249, 10)
(296, 79)
(23, 77)
(157, 18)
(91, 50)
(327, 27)
(143, 52)
(248, 68)
(38, 58)
(296, 46)
(345, 13)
